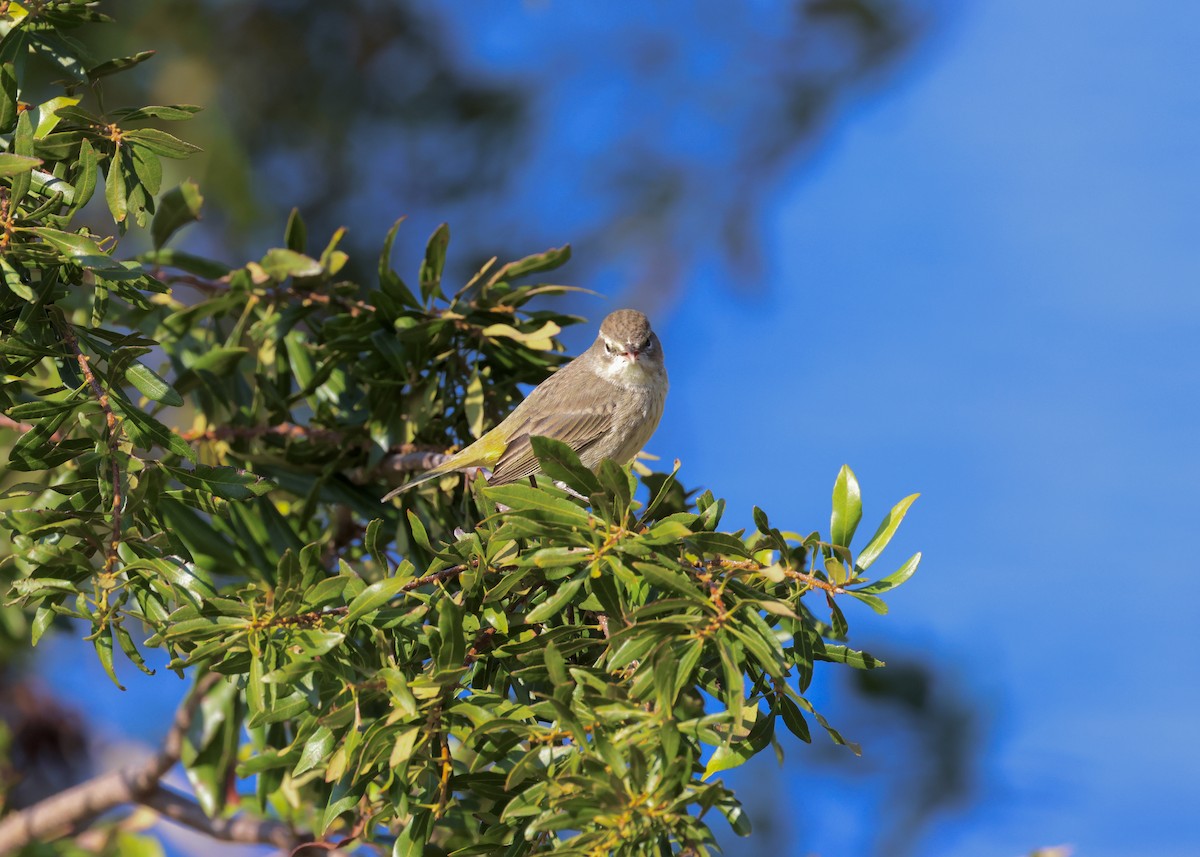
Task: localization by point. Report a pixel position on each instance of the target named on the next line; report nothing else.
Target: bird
(606, 403)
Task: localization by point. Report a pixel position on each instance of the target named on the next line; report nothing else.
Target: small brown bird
(605, 403)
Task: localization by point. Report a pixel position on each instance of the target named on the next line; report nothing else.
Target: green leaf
(43, 617)
(556, 602)
(760, 521)
(103, 642)
(556, 665)
(719, 544)
(8, 97)
(35, 450)
(793, 719)
(59, 50)
(177, 208)
(11, 165)
(414, 835)
(374, 596)
(884, 534)
(207, 268)
(295, 236)
(147, 432)
(119, 64)
(161, 143)
(219, 361)
(281, 263)
(553, 258)
(130, 648)
(435, 260)
(81, 249)
(22, 144)
(669, 579)
(375, 547)
(895, 578)
(451, 650)
(15, 282)
(316, 750)
(86, 175)
(873, 601)
(172, 112)
(562, 464)
(537, 504)
(389, 281)
(115, 186)
(725, 757)
(151, 385)
(48, 116)
(228, 483)
(419, 533)
(803, 655)
(847, 507)
(850, 657)
(540, 339)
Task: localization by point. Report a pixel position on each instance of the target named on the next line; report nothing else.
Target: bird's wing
(579, 425)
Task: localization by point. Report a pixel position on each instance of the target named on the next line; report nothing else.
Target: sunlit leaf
(847, 507)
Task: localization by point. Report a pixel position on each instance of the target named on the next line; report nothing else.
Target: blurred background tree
(651, 135)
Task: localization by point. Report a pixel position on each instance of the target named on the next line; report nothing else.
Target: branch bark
(242, 828)
(72, 809)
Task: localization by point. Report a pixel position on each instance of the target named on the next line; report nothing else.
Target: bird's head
(629, 351)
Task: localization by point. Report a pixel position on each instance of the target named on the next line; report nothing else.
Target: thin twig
(313, 617)
(288, 430)
(113, 439)
(351, 305)
(10, 423)
(412, 459)
(809, 579)
(477, 648)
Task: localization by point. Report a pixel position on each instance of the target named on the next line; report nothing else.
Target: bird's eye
(611, 349)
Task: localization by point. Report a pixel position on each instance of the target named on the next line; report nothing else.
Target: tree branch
(73, 808)
(179, 809)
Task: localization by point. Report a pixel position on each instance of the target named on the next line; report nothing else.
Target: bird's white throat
(622, 371)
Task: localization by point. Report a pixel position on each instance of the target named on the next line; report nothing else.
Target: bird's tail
(420, 480)
(465, 459)
(482, 453)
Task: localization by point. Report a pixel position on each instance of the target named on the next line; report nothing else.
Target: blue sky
(986, 290)
(983, 287)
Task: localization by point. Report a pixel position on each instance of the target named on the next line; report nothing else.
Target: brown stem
(290, 430)
(351, 305)
(410, 459)
(113, 439)
(312, 617)
(810, 579)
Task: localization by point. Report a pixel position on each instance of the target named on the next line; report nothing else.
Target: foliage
(195, 455)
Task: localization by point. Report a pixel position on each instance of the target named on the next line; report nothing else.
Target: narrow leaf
(895, 578)
(11, 165)
(177, 208)
(151, 385)
(556, 602)
(884, 534)
(847, 507)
